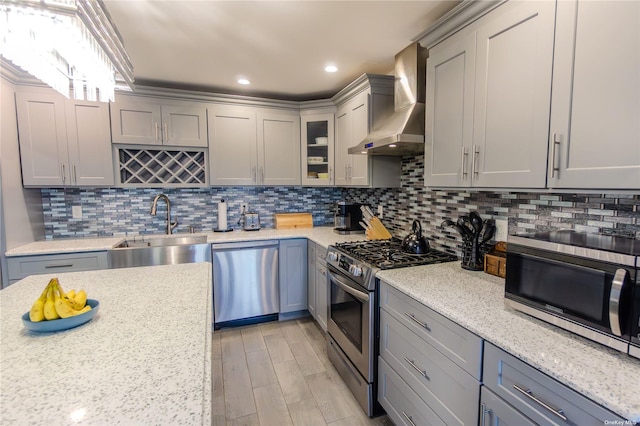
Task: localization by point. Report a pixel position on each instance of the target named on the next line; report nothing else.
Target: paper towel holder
(222, 217)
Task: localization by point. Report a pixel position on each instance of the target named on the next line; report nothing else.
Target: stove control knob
(332, 257)
(354, 270)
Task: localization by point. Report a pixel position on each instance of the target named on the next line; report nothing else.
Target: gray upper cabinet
(595, 131)
(253, 148)
(279, 149)
(149, 121)
(359, 107)
(63, 142)
(488, 96)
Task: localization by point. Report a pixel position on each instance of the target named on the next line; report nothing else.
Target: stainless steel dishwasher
(245, 282)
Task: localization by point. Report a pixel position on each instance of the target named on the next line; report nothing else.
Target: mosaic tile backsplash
(118, 211)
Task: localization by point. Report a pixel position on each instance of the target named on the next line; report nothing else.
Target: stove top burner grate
(387, 254)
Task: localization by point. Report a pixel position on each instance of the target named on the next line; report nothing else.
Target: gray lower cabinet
(537, 396)
(430, 357)
(322, 287)
(311, 278)
(52, 264)
(495, 412)
(292, 268)
(402, 404)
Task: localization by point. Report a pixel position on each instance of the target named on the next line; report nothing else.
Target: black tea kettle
(415, 243)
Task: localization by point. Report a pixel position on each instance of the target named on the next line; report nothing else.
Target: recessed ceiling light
(331, 68)
(243, 81)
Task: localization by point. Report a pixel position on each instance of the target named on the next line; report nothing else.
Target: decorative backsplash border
(126, 211)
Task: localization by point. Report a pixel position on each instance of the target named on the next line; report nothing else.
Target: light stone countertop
(145, 358)
(475, 301)
(322, 235)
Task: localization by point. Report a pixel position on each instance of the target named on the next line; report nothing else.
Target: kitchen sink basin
(160, 251)
(162, 242)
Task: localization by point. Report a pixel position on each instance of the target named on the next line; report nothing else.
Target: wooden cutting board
(293, 220)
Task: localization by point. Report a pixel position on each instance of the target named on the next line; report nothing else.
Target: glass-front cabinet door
(317, 150)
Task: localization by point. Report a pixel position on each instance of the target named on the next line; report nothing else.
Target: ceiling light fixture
(243, 81)
(66, 43)
(331, 68)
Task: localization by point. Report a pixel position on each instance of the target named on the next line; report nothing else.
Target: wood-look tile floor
(278, 373)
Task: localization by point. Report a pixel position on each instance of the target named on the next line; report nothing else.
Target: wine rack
(155, 168)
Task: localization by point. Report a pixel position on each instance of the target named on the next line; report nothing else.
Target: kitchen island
(475, 301)
(145, 358)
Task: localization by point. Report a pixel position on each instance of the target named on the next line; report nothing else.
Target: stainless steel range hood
(402, 132)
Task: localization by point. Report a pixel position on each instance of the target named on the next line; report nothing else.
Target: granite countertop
(475, 300)
(322, 235)
(140, 360)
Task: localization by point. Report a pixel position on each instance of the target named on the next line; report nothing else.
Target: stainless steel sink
(160, 251)
(162, 242)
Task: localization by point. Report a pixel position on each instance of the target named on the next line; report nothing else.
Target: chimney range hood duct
(402, 132)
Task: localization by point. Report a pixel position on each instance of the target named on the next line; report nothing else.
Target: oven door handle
(614, 301)
(361, 296)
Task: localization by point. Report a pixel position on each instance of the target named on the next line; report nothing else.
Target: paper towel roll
(222, 215)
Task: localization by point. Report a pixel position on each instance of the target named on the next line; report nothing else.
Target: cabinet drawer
(495, 411)
(536, 395)
(20, 267)
(459, 345)
(401, 403)
(451, 392)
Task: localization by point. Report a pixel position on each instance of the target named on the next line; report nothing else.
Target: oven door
(351, 321)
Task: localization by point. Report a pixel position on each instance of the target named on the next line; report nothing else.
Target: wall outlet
(76, 212)
(502, 230)
(244, 207)
(380, 211)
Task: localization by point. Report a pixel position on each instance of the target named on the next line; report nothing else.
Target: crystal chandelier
(66, 44)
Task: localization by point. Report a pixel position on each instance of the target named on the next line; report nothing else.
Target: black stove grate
(387, 254)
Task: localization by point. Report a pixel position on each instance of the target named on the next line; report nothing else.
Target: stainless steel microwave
(584, 283)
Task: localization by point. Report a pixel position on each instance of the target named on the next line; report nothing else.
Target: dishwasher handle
(245, 245)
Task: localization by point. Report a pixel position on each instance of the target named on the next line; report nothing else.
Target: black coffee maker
(347, 218)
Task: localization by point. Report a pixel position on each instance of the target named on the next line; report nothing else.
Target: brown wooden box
(495, 262)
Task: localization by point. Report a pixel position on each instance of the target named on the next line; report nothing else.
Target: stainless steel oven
(353, 325)
(351, 315)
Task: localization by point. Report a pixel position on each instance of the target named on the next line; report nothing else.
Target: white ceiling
(282, 47)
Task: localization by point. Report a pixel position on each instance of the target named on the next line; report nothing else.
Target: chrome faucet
(154, 207)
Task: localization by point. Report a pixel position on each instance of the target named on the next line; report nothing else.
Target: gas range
(361, 260)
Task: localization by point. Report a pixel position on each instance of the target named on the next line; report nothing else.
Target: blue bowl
(62, 323)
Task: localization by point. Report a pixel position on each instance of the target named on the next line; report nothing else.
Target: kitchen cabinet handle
(253, 175)
(528, 393)
(415, 367)
(465, 155)
(476, 154)
(484, 413)
(350, 172)
(555, 168)
(346, 172)
(58, 266)
(157, 130)
(75, 176)
(408, 418)
(330, 175)
(62, 172)
(165, 135)
(262, 175)
(614, 300)
(413, 318)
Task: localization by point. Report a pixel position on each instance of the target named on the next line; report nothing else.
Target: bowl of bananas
(56, 310)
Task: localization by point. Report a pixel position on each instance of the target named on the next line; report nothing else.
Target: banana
(81, 299)
(49, 305)
(71, 294)
(62, 305)
(36, 314)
